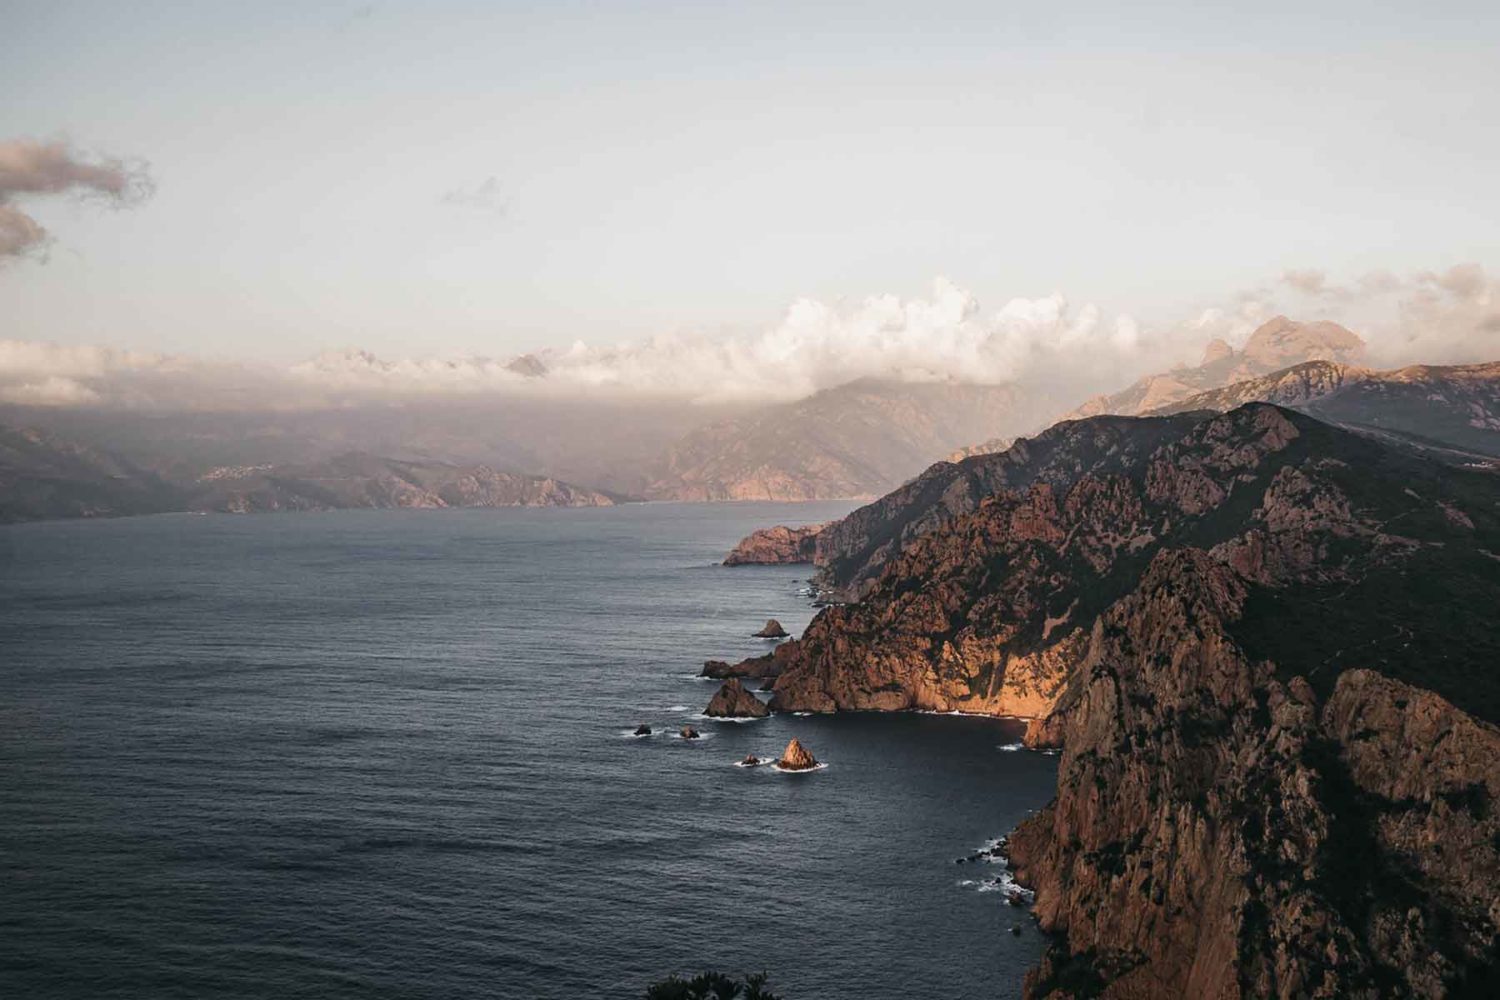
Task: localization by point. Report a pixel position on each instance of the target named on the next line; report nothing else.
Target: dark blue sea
(384, 754)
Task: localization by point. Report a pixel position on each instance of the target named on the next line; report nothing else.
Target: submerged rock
(732, 701)
(643, 730)
(796, 758)
(772, 630)
(689, 733)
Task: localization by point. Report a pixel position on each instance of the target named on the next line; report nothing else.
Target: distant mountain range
(859, 439)
(865, 438)
(42, 476)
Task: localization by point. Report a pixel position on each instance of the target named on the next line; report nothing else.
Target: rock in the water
(796, 758)
(774, 546)
(750, 761)
(732, 701)
(643, 730)
(689, 733)
(773, 630)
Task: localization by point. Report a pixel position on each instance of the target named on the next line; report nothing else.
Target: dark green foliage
(712, 986)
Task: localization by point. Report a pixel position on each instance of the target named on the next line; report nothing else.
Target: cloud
(1309, 282)
(486, 197)
(51, 391)
(30, 168)
(1060, 351)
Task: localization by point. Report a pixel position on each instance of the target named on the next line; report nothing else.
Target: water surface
(383, 754)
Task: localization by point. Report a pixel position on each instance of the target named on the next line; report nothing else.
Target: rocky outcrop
(771, 630)
(776, 546)
(732, 701)
(1223, 828)
(689, 733)
(796, 757)
(765, 667)
(852, 552)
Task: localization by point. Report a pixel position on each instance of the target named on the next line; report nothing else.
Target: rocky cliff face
(776, 546)
(1223, 828)
(1267, 649)
(852, 552)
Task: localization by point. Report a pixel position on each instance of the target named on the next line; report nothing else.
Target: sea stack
(750, 761)
(732, 701)
(796, 758)
(773, 630)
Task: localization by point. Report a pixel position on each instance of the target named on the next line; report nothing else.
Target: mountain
(42, 476)
(1449, 412)
(858, 439)
(359, 480)
(852, 552)
(1267, 647)
(1449, 409)
(1276, 344)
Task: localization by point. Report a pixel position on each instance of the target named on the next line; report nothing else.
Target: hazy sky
(450, 178)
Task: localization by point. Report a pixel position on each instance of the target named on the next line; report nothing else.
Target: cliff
(1266, 646)
(775, 546)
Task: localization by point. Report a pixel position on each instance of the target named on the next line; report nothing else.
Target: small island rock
(732, 701)
(773, 630)
(796, 758)
(643, 730)
(750, 761)
(689, 733)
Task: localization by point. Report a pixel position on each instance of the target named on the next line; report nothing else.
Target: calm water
(381, 754)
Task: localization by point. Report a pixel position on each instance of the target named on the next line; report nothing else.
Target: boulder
(732, 701)
(750, 761)
(796, 758)
(689, 733)
(643, 730)
(773, 630)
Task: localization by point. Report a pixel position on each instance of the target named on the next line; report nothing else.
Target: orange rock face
(796, 757)
(773, 546)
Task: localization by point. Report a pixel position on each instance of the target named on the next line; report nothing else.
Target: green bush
(712, 986)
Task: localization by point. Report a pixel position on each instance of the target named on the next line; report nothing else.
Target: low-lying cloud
(31, 168)
(1052, 347)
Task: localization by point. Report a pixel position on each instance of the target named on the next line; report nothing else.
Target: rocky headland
(780, 545)
(1266, 646)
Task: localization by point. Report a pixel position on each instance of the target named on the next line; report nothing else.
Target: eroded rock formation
(776, 546)
(797, 757)
(732, 701)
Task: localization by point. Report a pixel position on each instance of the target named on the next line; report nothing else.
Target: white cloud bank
(1435, 317)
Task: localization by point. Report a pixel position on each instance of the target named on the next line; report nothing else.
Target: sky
(449, 179)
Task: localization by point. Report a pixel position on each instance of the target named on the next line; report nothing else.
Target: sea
(389, 754)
